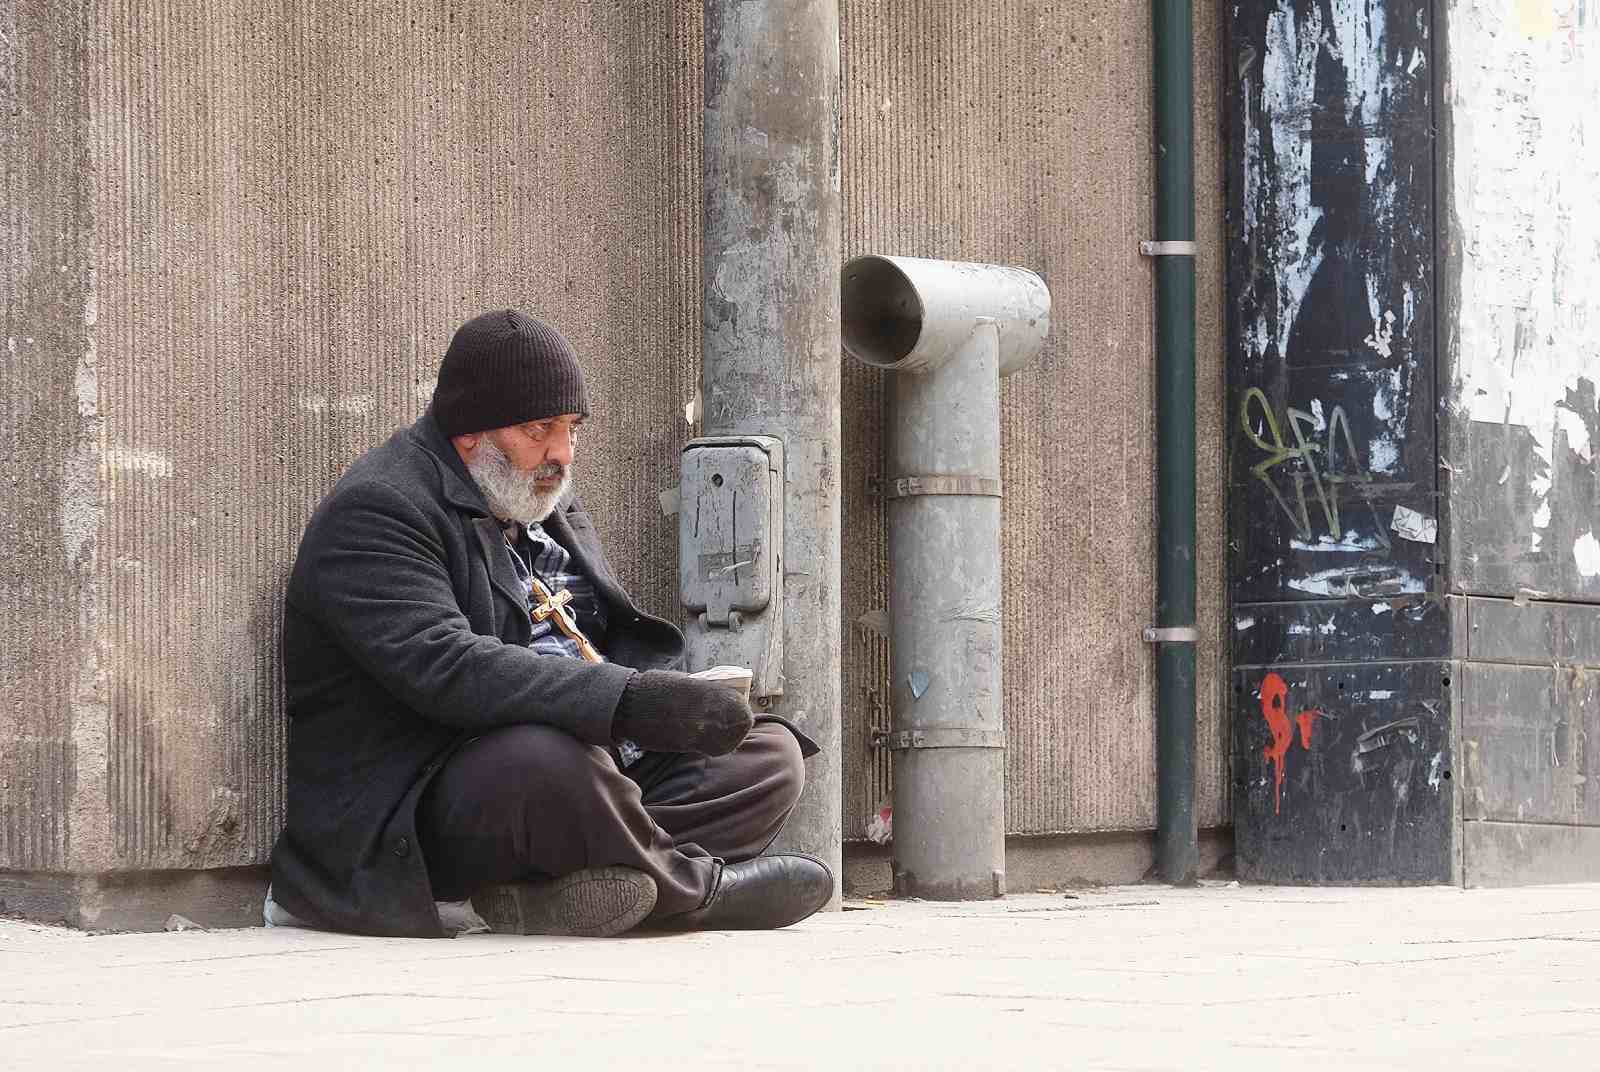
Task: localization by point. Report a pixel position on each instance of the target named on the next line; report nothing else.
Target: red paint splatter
(1273, 694)
(1274, 708)
(1306, 719)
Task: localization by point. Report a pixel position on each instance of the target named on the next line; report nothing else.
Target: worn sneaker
(597, 902)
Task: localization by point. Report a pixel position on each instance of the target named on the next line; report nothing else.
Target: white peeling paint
(1318, 584)
(1380, 694)
(144, 462)
(1524, 87)
(1586, 551)
(347, 406)
(1380, 608)
(1300, 41)
(1382, 338)
(1577, 432)
(1386, 392)
(1358, 41)
(1355, 36)
(1244, 623)
(1296, 629)
(82, 510)
(80, 478)
(1288, 95)
(1435, 774)
(1383, 454)
(1336, 582)
(1350, 544)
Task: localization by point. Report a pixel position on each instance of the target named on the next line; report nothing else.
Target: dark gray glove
(666, 711)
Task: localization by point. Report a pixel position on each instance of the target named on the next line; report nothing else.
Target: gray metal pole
(771, 278)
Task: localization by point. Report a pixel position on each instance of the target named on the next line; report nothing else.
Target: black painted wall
(1343, 754)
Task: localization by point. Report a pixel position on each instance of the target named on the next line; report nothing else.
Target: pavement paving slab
(1125, 978)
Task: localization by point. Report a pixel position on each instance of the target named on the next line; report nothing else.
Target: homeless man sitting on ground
(477, 709)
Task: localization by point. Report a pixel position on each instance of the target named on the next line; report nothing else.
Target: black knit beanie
(506, 368)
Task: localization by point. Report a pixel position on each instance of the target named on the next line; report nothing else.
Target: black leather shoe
(597, 902)
(761, 894)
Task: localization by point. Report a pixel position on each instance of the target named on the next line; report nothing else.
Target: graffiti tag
(1325, 480)
(1274, 708)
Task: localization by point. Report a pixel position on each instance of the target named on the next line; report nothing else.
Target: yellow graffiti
(1325, 486)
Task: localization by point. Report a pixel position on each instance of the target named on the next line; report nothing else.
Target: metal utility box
(730, 555)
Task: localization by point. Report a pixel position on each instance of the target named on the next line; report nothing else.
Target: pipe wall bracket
(940, 737)
(904, 487)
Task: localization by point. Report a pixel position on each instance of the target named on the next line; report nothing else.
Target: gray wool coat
(404, 635)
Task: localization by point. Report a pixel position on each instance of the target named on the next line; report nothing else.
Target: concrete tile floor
(1138, 977)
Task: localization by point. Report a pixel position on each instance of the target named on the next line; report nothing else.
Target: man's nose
(561, 450)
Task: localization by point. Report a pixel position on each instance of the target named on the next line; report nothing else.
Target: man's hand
(665, 711)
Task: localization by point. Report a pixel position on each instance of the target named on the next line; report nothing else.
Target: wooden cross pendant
(554, 605)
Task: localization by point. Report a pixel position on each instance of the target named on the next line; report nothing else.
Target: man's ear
(465, 444)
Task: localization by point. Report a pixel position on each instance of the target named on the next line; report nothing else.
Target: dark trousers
(533, 802)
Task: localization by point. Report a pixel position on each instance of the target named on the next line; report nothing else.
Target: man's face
(540, 446)
(523, 469)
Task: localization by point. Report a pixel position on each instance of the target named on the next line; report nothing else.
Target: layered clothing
(405, 635)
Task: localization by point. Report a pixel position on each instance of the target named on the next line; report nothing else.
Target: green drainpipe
(1177, 848)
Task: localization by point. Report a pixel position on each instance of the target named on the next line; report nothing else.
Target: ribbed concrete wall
(1019, 132)
(48, 496)
(236, 243)
(291, 208)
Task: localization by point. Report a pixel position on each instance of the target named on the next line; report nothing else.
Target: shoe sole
(597, 902)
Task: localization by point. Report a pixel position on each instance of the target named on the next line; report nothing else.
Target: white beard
(511, 493)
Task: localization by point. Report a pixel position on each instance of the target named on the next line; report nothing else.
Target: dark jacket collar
(459, 489)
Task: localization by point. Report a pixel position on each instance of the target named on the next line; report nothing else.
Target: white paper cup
(737, 678)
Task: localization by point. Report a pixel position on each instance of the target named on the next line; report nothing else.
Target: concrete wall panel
(1020, 132)
(237, 243)
(1523, 250)
(294, 207)
(1519, 250)
(48, 419)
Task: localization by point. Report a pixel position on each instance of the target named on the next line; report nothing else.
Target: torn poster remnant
(1408, 524)
(880, 828)
(1586, 550)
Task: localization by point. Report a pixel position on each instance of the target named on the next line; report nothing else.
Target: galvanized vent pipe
(949, 330)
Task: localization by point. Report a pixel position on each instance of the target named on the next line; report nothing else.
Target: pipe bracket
(1169, 249)
(904, 487)
(1173, 634)
(940, 737)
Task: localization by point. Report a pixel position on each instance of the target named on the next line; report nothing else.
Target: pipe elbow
(912, 314)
